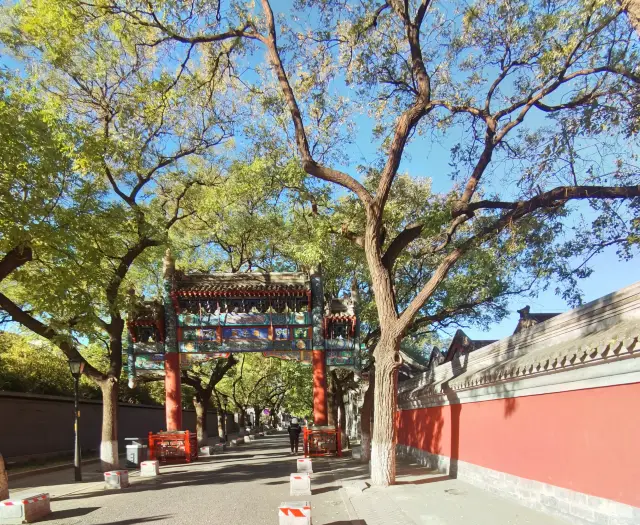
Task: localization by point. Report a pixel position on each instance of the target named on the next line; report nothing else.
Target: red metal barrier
(173, 446)
(322, 441)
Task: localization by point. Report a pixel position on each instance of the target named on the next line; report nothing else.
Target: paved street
(246, 484)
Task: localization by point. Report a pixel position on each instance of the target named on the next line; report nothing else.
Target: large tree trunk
(201, 405)
(632, 8)
(366, 418)
(332, 406)
(257, 411)
(342, 418)
(109, 444)
(241, 419)
(221, 423)
(383, 447)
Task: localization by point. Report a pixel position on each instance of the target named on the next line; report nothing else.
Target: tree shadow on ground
(135, 521)
(191, 475)
(69, 513)
(323, 490)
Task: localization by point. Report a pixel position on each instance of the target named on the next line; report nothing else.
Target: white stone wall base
(576, 507)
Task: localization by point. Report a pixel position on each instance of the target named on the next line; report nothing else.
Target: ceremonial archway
(205, 316)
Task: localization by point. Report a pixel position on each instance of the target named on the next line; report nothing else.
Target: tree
(259, 382)
(526, 88)
(139, 124)
(203, 379)
(40, 192)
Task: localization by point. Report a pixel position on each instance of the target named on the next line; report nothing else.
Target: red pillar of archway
(319, 388)
(173, 391)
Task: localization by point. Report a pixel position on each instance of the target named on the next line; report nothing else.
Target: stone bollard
(4, 481)
(300, 484)
(206, 451)
(149, 468)
(116, 479)
(252, 437)
(305, 465)
(294, 513)
(27, 509)
(356, 453)
(247, 439)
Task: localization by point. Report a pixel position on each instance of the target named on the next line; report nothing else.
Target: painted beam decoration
(281, 315)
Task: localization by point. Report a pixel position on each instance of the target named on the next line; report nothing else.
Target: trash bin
(136, 452)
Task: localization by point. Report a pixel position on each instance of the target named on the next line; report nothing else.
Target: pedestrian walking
(294, 434)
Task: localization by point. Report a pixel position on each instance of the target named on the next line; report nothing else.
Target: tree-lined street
(259, 211)
(245, 485)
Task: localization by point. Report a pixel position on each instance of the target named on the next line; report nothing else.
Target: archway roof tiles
(243, 282)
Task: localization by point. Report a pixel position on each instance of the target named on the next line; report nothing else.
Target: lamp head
(76, 366)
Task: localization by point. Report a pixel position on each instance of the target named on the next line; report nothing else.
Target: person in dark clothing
(294, 434)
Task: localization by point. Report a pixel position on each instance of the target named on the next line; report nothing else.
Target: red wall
(585, 440)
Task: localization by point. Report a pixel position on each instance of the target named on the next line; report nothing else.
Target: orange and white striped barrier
(300, 484)
(305, 465)
(25, 510)
(116, 479)
(294, 513)
(149, 469)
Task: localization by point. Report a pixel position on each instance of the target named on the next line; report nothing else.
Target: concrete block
(206, 451)
(219, 447)
(305, 465)
(294, 513)
(356, 453)
(247, 439)
(261, 434)
(240, 441)
(252, 437)
(300, 484)
(27, 509)
(149, 468)
(4, 481)
(116, 479)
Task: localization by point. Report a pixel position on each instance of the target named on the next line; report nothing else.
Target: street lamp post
(76, 366)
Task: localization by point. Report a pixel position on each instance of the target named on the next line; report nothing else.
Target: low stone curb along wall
(547, 416)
